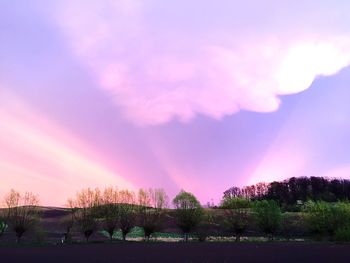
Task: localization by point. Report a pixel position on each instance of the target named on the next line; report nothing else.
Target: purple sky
(198, 95)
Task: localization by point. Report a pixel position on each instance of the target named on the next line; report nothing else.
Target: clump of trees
(21, 212)
(119, 211)
(188, 212)
(252, 192)
(327, 219)
(293, 190)
(112, 209)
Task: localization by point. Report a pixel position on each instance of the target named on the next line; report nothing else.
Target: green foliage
(236, 219)
(3, 227)
(205, 227)
(189, 212)
(326, 218)
(342, 234)
(268, 216)
(292, 225)
(235, 203)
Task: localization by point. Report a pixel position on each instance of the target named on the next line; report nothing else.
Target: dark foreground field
(179, 252)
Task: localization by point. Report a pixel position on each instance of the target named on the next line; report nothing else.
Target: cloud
(157, 70)
(40, 156)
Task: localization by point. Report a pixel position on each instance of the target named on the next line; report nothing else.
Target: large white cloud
(156, 72)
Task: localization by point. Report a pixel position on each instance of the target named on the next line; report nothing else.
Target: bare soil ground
(179, 252)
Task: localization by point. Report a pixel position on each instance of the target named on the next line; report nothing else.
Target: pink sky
(174, 94)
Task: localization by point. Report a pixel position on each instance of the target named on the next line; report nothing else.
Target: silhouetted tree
(189, 212)
(87, 203)
(151, 205)
(23, 212)
(205, 227)
(233, 192)
(127, 212)
(268, 216)
(110, 211)
(236, 216)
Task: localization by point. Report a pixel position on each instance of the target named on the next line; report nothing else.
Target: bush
(205, 227)
(268, 216)
(342, 234)
(3, 227)
(324, 219)
(235, 202)
(292, 225)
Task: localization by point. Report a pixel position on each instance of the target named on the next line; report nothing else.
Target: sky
(198, 95)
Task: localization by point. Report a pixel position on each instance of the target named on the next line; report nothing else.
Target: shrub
(342, 234)
(235, 203)
(325, 219)
(205, 227)
(3, 227)
(268, 216)
(292, 225)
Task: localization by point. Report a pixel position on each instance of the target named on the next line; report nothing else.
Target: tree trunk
(18, 239)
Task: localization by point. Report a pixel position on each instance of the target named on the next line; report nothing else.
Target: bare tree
(23, 212)
(127, 212)
(110, 210)
(151, 204)
(87, 203)
(68, 222)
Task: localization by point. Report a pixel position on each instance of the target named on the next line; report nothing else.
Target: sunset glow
(191, 95)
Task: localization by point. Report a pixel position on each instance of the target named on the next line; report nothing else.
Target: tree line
(295, 189)
(261, 206)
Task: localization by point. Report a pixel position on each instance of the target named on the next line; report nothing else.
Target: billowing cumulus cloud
(161, 62)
